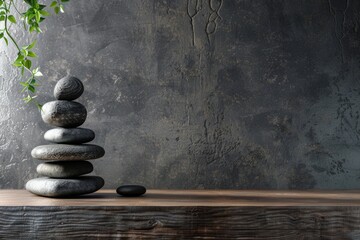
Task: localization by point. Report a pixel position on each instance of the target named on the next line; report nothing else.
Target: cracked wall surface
(201, 94)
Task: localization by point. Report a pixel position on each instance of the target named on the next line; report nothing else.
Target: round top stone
(68, 88)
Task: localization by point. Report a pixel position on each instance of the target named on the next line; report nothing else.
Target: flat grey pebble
(67, 152)
(64, 169)
(51, 187)
(69, 135)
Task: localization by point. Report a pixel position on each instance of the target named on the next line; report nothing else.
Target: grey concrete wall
(201, 94)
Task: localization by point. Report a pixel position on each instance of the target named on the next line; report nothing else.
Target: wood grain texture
(211, 198)
(163, 214)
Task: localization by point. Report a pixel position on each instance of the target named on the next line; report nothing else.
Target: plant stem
(16, 7)
(6, 28)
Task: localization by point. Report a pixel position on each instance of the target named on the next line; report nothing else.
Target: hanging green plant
(31, 19)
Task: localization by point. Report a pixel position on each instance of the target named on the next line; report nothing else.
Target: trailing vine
(31, 20)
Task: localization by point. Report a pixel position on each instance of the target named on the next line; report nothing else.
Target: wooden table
(183, 214)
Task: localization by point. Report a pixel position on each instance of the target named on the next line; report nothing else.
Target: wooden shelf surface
(183, 214)
(208, 198)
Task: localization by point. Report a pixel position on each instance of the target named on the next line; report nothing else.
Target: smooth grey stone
(68, 88)
(67, 152)
(62, 113)
(131, 190)
(64, 169)
(69, 135)
(51, 187)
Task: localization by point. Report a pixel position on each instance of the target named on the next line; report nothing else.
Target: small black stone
(131, 190)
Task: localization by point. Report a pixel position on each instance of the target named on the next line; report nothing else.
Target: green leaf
(20, 57)
(24, 84)
(65, 0)
(38, 74)
(19, 61)
(6, 41)
(53, 4)
(44, 13)
(17, 64)
(57, 9)
(35, 70)
(62, 9)
(28, 99)
(24, 25)
(41, 6)
(30, 16)
(12, 18)
(27, 63)
(37, 16)
(28, 2)
(32, 54)
(31, 88)
(39, 106)
(31, 45)
(22, 70)
(2, 18)
(32, 28)
(1, 35)
(24, 52)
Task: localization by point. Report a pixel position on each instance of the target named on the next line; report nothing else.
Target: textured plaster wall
(201, 94)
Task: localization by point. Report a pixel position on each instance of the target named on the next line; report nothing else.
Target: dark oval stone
(69, 135)
(67, 152)
(131, 190)
(64, 169)
(52, 187)
(66, 114)
(68, 88)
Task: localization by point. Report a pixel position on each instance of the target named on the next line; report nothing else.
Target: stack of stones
(66, 159)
